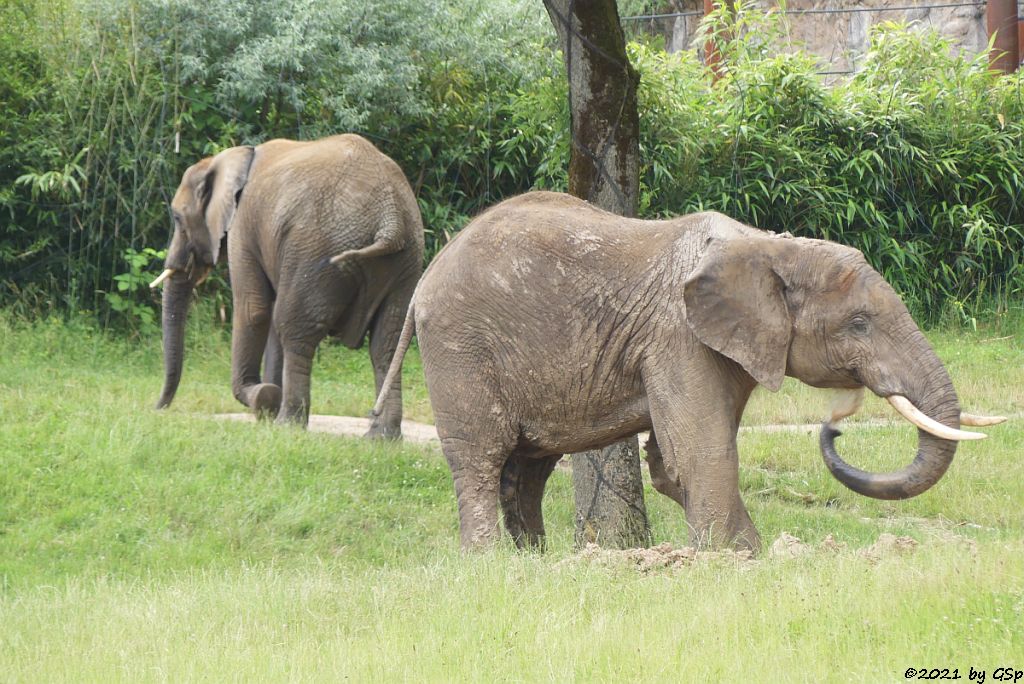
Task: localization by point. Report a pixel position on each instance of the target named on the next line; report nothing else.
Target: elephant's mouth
(195, 271)
(167, 273)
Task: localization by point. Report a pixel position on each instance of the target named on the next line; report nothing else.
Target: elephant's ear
(735, 304)
(225, 179)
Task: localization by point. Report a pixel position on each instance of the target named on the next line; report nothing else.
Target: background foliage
(121, 97)
(917, 160)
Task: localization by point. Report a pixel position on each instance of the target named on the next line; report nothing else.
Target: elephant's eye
(858, 324)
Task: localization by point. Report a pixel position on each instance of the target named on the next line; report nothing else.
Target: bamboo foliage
(918, 160)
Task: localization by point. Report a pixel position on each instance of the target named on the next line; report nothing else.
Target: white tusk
(930, 425)
(168, 272)
(845, 403)
(980, 421)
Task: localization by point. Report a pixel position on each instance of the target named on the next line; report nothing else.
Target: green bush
(32, 229)
(917, 160)
(131, 93)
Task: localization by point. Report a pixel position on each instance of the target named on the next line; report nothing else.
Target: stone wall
(840, 39)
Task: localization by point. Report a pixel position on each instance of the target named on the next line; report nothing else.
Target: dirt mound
(786, 546)
(658, 557)
(888, 545)
(829, 543)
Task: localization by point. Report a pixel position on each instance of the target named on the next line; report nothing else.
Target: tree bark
(604, 170)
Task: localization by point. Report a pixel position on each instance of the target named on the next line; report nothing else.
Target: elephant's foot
(264, 399)
(745, 538)
(380, 429)
(737, 532)
(295, 417)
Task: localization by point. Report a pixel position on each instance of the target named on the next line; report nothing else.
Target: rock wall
(840, 39)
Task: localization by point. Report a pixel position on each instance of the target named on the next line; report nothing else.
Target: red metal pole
(1020, 41)
(712, 58)
(1002, 21)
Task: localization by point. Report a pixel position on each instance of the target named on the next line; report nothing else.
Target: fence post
(712, 57)
(1001, 18)
(1020, 40)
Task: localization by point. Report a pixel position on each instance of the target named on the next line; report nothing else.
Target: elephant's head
(202, 209)
(817, 311)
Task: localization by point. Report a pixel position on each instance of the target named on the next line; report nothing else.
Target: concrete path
(423, 433)
(348, 426)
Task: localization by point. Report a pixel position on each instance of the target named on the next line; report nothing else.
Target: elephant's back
(546, 240)
(338, 193)
(339, 159)
(543, 259)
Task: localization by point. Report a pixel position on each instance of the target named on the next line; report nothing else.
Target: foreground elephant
(323, 238)
(549, 326)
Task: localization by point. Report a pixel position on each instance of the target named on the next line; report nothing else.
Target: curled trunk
(933, 458)
(177, 292)
(937, 399)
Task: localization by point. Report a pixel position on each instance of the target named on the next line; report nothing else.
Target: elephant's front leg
(660, 479)
(695, 412)
(273, 359)
(250, 327)
(298, 365)
(715, 512)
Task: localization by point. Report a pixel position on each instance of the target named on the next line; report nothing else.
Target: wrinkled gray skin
(323, 238)
(549, 327)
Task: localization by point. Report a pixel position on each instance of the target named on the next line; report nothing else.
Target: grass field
(139, 546)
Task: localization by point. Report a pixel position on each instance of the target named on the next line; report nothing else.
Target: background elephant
(323, 238)
(549, 326)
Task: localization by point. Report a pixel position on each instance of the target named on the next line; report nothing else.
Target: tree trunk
(604, 170)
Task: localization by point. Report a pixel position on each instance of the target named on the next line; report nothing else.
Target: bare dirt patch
(788, 546)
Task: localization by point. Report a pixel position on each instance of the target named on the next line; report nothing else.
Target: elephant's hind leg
(301, 324)
(522, 491)
(477, 434)
(476, 472)
(298, 365)
(385, 331)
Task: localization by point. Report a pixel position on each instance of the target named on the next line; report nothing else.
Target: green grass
(138, 545)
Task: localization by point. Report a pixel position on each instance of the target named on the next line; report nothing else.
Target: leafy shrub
(131, 296)
(917, 160)
(148, 87)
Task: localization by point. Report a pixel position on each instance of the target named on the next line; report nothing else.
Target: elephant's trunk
(176, 296)
(931, 391)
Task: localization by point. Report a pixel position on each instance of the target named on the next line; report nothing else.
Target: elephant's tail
(396, 361)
